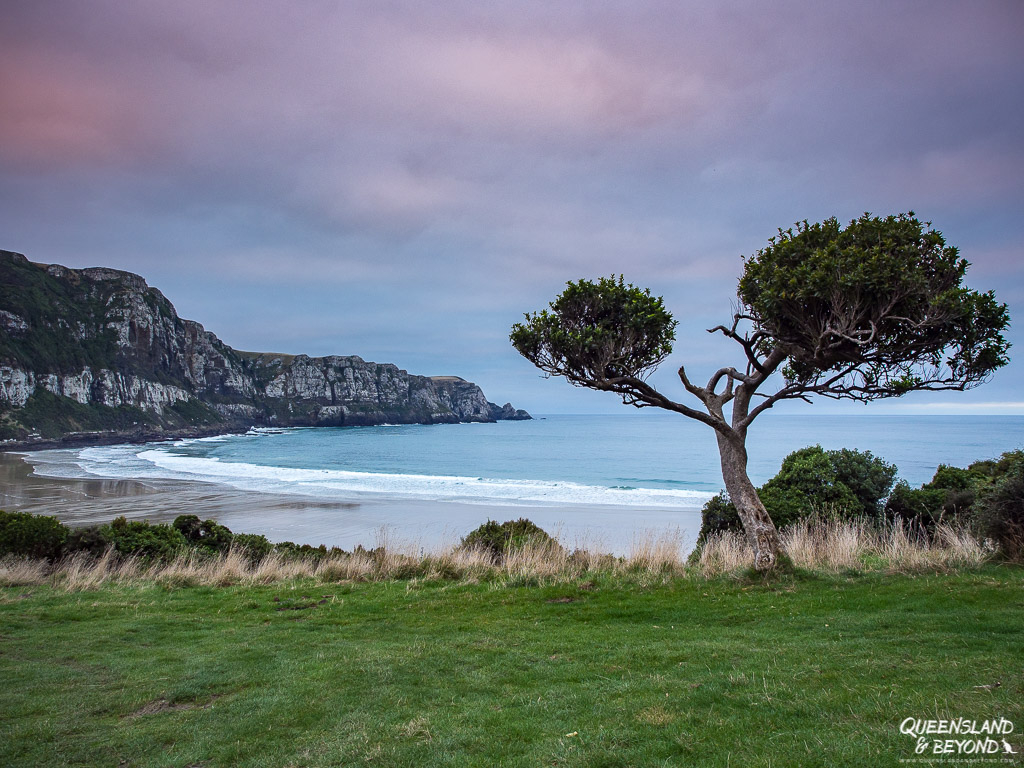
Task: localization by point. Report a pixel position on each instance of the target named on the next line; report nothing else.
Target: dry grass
(824, 546)
(838, 545)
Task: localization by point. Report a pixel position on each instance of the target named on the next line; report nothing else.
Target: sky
(403, 180)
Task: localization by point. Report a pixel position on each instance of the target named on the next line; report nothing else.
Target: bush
(949, 496)
(999, 510)
(255, 545)
(92, 539)
(208, 534)
(31, 535)
(922, 505)
(718, 516)
(292, 551)
(812, 481)
(136, 537)
(501, 539)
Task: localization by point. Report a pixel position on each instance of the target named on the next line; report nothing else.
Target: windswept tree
(871, 310)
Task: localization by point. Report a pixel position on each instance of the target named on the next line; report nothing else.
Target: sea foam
(166, 462)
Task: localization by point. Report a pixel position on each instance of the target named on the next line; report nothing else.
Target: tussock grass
(829, 546)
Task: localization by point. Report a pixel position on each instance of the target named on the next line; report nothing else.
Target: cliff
(99, 354)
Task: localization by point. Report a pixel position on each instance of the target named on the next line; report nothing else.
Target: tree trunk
(757, 524)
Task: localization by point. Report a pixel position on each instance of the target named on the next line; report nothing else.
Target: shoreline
(140, 437)
(409, 524)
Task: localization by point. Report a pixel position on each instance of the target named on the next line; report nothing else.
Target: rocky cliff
(98, 353)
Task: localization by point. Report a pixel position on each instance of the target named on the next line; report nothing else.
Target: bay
(609, 476)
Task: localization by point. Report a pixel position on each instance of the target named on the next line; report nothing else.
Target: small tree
(876, 309)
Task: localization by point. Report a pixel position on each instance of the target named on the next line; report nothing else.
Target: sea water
(573, 470)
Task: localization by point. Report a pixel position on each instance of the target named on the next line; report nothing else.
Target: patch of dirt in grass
(299, 604)
(163, 705)
(566, 599)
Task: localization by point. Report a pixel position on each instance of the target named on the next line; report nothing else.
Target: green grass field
(803, 671)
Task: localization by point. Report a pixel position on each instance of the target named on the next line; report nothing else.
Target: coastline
(134, 437)
(407, 524)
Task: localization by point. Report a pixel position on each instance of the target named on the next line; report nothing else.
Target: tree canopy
(876, 309)
(871, 310)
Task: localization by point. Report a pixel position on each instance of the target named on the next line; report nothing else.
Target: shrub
(922, 505)
(717, 516)
(499, 539)
(92, 539)
(999, 510)
(31, 535)
(255, 545)
(137, 537)
(812, 481)
(292, 551)
(949, 496)
(208, 534)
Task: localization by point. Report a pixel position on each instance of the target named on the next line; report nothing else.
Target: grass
(634, 664)
(833, 547)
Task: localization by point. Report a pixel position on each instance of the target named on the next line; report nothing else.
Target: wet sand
(410, 524)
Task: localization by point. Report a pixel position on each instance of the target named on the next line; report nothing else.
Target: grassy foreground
(809, 670)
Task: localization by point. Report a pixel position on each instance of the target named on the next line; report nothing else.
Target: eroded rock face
(104, 339)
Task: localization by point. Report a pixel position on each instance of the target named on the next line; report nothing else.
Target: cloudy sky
(402, 180)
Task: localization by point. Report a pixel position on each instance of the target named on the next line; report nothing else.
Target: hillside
(97, 354)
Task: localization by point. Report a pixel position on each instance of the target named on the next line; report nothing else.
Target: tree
(876, 309)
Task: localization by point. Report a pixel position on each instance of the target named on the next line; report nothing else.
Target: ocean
(609, 476)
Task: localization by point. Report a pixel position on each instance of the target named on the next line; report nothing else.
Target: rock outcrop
(99, 353)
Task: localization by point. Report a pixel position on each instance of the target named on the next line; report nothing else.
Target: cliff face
(99, 351)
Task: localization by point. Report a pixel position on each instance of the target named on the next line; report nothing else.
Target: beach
(408, 524)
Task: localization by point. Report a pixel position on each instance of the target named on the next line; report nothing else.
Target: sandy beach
(410, 524)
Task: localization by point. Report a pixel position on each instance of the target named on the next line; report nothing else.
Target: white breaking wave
(138, 462)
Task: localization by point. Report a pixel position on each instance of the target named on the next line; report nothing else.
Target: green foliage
(717, 516)
(137, 537)
(55, 415)
(50, 307)
(954, 478)
(999, 510)
(499, 539)
(921, 505)
(883, 294)
(195, 412)
(31, 535)
(812, 481)
(208, 534)
(255, 545)
(93, 539)
(950, 495)
(596, 332)
(291, 550)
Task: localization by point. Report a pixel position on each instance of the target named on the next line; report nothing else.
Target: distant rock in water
(96, 354)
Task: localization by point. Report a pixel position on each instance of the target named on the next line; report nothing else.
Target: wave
(135, 462)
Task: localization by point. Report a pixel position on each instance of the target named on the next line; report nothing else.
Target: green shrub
(844, 482)
(993, 469)
(923, 505)
(999, 510)
(500, 539)
(812, 481)
(92, 539)
(954, 478)
(137, 537)
(255, 545)
(31, 535)
(292, 551)
(949, 496)
(718, 516)
(208, 534)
